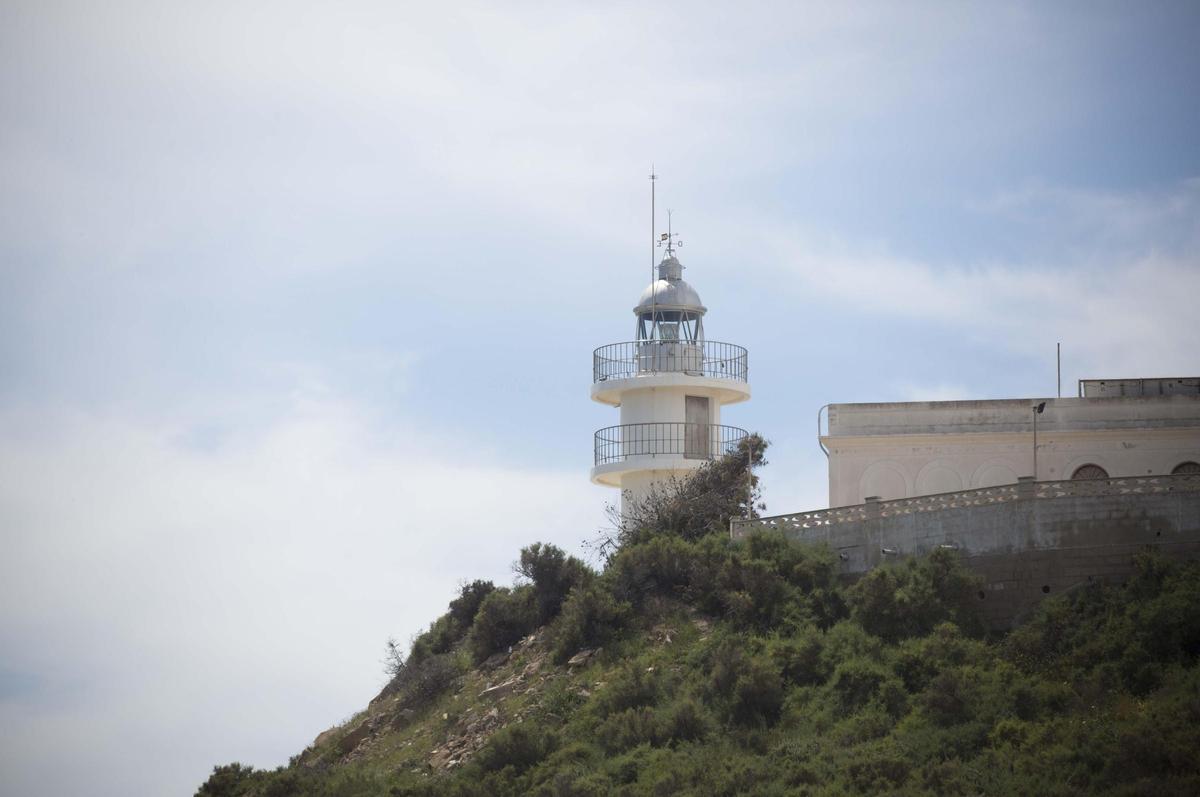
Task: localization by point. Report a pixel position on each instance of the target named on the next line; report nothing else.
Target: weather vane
(670, 239)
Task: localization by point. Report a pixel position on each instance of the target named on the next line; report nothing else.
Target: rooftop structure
(1118, 428)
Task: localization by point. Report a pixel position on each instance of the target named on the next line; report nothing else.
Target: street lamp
(1037, 410)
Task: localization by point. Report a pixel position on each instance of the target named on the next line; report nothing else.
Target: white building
(670, 384)
(1114, 428)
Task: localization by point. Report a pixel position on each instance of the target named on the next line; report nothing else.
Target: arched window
(1186, 467)
(1089, 471)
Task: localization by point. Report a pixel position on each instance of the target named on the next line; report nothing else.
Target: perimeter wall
(1028, 540)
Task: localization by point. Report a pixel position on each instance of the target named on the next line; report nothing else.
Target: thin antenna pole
(1058, 357)
(653, 178)
(653, 331)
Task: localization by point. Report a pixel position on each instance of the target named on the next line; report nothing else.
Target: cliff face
(509, 688)
(743, 669)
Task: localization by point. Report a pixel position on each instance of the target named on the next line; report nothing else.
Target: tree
(693, 507)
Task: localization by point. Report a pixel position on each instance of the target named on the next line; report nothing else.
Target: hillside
(693, 665)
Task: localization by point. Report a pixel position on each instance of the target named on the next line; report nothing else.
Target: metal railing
(1069, 488)
(708, 358)
(692, 440)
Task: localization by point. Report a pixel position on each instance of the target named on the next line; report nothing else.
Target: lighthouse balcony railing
(707, 358)
(689, 440)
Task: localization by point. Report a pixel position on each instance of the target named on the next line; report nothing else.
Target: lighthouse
(670, 384)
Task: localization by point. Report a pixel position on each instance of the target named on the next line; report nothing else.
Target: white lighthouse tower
(670, 384)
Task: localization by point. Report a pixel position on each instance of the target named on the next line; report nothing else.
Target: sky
(297, 302)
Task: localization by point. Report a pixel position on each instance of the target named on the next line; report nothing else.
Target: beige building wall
(898, 450)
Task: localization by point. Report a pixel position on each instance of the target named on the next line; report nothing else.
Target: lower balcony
(635, 442)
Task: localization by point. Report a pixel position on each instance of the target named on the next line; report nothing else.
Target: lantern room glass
(670, 325)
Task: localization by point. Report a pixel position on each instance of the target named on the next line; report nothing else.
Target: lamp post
(1037, 410)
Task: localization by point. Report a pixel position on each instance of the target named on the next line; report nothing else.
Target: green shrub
(631, 727)
(857, 681)
(908, 599)
(757, 694)
(700, 505)
(553, 574)
(879, 772)
(686, 721)
(422, 682)
(799, 658)
(658, 566)
(231, 780)
(470, 597)
(631, 687)
(589, 618)
(518, 746)
(946, 699)
(449, 629)
(504, 617)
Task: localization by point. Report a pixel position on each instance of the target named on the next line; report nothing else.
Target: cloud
(175, 606)
(941, 391)
(1118, 294)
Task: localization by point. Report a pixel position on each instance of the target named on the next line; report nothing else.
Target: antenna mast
(653, 277)
(653, 178)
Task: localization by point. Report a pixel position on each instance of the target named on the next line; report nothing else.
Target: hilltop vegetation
(692, 665)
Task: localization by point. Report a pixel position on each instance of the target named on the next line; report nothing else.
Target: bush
(800, 659)
(757, 694)
(422, 682)
(231, 780)
(504, 617)
(631, 687)
(700, 505)
(899, 601)
(661, 566)
(449, 629)
(686, 721)
(630, 728)
(857, 681)
(590, 618)
(470, 597)
(518, 746)
(553, 574)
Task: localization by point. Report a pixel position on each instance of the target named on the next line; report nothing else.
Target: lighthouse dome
(675, 294)
(670, 290)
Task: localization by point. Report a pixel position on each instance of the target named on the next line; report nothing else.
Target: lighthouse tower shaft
(670, 384)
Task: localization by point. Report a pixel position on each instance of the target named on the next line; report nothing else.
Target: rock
(499, 690)
(324, 738)
(439, 758)
(355, 737)
(581, 658)
(494, 661)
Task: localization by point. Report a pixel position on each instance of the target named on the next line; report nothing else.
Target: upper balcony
(660, 363)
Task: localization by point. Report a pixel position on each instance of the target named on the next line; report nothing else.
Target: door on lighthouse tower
(695, 429)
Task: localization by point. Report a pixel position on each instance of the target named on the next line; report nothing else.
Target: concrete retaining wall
(1027, 542)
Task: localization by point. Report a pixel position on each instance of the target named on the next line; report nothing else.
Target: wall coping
(1025, 490)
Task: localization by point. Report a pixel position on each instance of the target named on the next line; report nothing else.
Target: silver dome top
(670, 291)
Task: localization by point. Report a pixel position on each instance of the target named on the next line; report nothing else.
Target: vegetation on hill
(693, 665)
